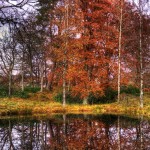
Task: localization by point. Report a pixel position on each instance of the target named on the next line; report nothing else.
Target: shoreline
(13, 106)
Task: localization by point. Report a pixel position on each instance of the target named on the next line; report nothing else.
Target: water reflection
(71, 132)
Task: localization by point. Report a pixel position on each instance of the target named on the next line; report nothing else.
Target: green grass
(37, 105)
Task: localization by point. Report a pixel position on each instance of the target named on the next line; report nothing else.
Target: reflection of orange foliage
(96, 134)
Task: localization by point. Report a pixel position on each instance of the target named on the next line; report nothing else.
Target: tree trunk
(65, 52)
(42, 81)
(22, 77)
(119, 49)
(31, 74)
(85, 101)
(141, 61)
(42, 77)
(10, 83)
(64, 86)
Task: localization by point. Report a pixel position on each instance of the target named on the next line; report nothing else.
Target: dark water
(75, 132)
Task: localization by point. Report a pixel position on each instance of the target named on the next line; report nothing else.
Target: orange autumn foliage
(91, 52)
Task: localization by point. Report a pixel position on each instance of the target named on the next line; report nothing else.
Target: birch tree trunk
(85, 101)
(119, 49)
(141, 61)
(65, 52)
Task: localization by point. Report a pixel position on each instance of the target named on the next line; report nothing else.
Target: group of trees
(79, 46)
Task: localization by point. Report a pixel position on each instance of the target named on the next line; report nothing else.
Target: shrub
(21, 94)
(31, 89)
(130, 89)
(58, 97)
(18, 93)
(25, 94)
(108, 97)
(3, 91)
(69, 98)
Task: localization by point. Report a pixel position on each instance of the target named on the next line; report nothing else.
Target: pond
(75, 132)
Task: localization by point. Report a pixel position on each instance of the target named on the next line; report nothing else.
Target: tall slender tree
(141, 54)
(120, 47)
(66, 25)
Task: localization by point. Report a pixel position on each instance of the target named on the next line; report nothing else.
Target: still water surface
(75, 132)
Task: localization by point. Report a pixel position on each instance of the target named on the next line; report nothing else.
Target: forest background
(88, 51)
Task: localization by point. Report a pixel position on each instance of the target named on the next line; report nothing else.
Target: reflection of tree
(64, 131)
(23, 136)
(75, 133)
(118, 129)
(141, 134)
(10, 136)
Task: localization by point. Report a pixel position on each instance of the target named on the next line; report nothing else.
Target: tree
(91, 72)
(141, 54)
(8, 9)
(142, 38)
(8, 58)
(120, 47)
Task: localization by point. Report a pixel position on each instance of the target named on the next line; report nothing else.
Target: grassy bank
(39, 105)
